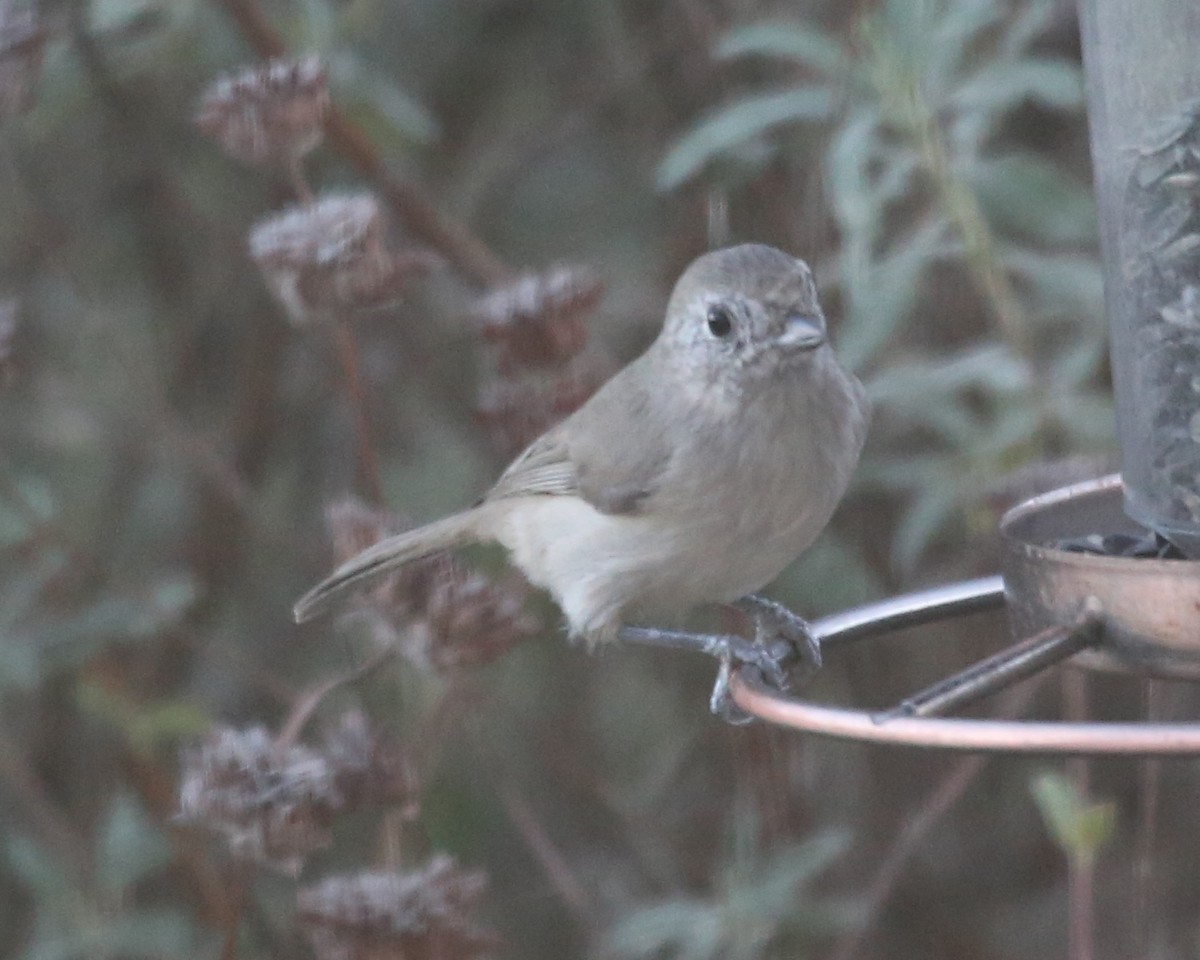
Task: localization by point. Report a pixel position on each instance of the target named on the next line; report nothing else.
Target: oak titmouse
(695, 475)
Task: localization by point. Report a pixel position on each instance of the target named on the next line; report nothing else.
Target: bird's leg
(781, 641)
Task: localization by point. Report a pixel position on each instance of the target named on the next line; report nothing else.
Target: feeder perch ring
(990, 736)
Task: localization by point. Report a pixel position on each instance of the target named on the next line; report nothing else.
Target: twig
(299, 182)
(234, 919)
(1150, 782)
(937, 803)
(554, 865)
(47, 818)
(1081, 870)
(308, 702)
(368, 459)
(453, 240)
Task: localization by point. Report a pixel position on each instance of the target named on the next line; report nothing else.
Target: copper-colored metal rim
(993, 736)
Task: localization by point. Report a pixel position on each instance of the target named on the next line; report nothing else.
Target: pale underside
(693, 512)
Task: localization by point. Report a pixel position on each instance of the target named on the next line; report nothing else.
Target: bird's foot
(783, 646)
(794, 648)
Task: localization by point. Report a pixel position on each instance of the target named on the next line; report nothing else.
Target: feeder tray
(1138, 616)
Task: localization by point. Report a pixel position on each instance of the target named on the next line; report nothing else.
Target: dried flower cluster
(274, 803)
(270, 113)
(539, 326)
(540, 319)
(21, 42)
(440, 613)
(331, 256)
(422, 915)
(515, 411)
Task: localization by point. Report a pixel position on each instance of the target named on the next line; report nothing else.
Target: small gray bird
(695, 475)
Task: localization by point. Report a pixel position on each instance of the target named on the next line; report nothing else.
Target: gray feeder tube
(1142, 63)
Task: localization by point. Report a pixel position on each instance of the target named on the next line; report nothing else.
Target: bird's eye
(720, 323)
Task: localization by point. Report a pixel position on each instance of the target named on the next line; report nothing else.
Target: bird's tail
(395, 551)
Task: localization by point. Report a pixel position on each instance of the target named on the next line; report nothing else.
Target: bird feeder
(1105, 574)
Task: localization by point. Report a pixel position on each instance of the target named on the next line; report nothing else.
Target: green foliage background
(168, 442)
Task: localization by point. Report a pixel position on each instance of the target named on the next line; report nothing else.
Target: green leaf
(373, 98)
(736, 123)
(951, 37)
(153, 934)
(1029, 196)
(130, 846)
(685, 927)
(1070, 285)
(923, 520)
(38, 869)
(999, 86)
(884, 294)
(1079, 828)
(791, 41)
(851, 149)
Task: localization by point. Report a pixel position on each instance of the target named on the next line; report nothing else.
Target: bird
(693, 476)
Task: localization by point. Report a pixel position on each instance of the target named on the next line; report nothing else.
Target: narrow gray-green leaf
(130, 846)
(790, 41)
(922, 522)
(1002, 85)
(1027, 195)
(736, 123)
(376, 100)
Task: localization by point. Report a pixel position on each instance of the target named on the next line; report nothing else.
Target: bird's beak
(801, 332)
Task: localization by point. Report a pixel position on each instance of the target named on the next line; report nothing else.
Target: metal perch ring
(999, 736)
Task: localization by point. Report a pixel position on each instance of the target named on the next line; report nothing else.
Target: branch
(462, 248)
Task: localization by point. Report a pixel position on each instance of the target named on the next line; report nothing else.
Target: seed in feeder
(1184, 180)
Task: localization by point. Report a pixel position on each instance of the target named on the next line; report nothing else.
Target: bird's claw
(784, 651)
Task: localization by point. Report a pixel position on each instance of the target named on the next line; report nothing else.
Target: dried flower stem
(937, 803)
(553, 863)
(1081, 870)
(304, 192)
(234, 919)
(453, 240)
(307, 703)
(1149, 790)
(368, 459)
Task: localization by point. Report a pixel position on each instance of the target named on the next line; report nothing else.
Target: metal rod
(999, 736)
(990, 736)
(911, 610)
(1001, 670)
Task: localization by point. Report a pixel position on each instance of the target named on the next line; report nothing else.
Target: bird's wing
(592, 454)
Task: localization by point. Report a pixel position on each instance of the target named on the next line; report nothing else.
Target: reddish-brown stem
(1081, 870)
(234, 920)
(554, 865)
(469, 255)
(368, 460)
(306, 705)
(304, 192)
(1150, 779)
(937, 803)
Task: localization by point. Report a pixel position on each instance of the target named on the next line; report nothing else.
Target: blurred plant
(761, 904)
(421, 915)
(21, 46)
(331, 257)
(538, 325)
(88, 913)
(440, 614)
(274, 802)
(1080, 829)
(273, 113)
(913, 111)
